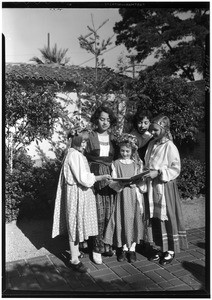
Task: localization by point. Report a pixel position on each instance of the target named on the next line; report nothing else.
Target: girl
(75, 206)
(162, 158)
(141, 123)
(100, 153)
(125, 227)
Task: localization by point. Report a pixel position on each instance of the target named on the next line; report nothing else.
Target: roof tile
(58, 73)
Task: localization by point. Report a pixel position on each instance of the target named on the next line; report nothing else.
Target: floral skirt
(105, 198)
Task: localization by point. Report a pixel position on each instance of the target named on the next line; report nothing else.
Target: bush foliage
(30, 191)
(191, 181)
(173, 97)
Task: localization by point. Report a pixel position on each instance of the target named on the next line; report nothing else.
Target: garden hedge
(30, 191)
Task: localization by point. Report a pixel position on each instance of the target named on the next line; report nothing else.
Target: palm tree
(52, 56)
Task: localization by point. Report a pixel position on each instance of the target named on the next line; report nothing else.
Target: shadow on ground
(49, 276)
(198, 271)
(39, 233)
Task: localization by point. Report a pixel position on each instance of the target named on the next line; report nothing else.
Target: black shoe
(78, 268)
(132, 256)
(81, 255)
(167, 258)
(156, 256)
(122, 256)
(108, 253)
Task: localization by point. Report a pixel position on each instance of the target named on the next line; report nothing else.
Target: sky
(26, 31)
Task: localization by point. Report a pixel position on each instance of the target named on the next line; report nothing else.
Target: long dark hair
(103, 108)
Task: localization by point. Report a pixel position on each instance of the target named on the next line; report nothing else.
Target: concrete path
(48, 275)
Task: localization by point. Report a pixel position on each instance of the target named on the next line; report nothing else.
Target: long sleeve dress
(100, 153)
(126, 222)
(75, 205)
(167, 229)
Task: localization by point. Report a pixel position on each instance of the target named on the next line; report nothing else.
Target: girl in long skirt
(167, 231)
(125, 227)
(100, 152)
(75, 205)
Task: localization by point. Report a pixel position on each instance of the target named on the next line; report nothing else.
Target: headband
(164, 123)
(127, 138)
(77, 126)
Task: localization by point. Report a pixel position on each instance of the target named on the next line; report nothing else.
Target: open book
(140, 176)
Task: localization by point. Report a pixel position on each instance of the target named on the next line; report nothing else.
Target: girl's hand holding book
(133, 186)
(103, 177)
(153, 174)
(110, 181)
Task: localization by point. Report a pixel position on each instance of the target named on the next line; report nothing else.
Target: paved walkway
(48, 275)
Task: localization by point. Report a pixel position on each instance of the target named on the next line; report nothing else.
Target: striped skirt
(171, 234)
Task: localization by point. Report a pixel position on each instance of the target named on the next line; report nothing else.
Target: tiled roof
(71, 74)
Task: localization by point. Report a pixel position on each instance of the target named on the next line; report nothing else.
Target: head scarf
(164, 123)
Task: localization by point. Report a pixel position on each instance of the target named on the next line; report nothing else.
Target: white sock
(97, 257)
(75, 262)
(74, 253)
(132, 248)
(125, 248)
(97, 254)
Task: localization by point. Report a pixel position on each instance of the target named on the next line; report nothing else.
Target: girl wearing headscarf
(166, 232)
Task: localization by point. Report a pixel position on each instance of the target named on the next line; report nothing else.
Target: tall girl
(100, 153)
(75, 205)
(167, 227)
(125, 227)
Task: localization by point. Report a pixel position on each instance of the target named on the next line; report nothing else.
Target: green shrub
(30, 191)
(13, 196)
(18, 185)
(45, 186)
(179, 100)
(191, 181)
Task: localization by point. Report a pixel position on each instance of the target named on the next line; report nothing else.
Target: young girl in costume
(100, 153)
(125, 227)
(141, 123)
(167, 231)
(75, 205)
